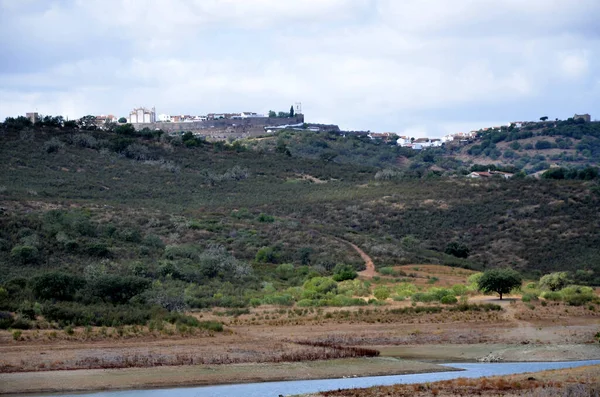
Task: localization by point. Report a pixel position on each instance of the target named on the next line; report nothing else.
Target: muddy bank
(492, 352)
(201, 375)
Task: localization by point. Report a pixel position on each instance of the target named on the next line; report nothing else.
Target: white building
(404, 141)
(164, 118)
(142, 115)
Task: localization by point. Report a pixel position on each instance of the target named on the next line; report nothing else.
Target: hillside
(536, 146)
(181, 222)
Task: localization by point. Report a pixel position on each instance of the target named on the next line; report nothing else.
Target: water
(274, 389)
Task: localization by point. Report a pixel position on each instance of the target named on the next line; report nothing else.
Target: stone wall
(211, 127)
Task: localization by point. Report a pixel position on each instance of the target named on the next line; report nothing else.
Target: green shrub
(16, 334)
(24, 254)
(529, 297)
(552, 296)
(554, 281)
(343, 272)
(266, 255)
(117, 289)
(6, 319)
(99, 250)
(56, 285)
(381, 293)
(449, 300)
(173, 252)
(214, 326)
(53, 145)
(423, 297)
(321, 285)
(153, 241)
(265, 218)
(78, 314)
(255, 302)
(459, 290)
(458, 250)
(279, 300)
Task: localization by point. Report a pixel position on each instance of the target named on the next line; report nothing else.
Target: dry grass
(579, 382)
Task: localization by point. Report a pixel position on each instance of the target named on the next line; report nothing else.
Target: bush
(457, 249)
(449, 300)
(554, 281)
(266, 255)
(83, 140)
(321, 286)
(344, 272)
(266, 218)
(53, 145)
(117, 289)
(97, 249)
(529, 297)
(96, 315)
(6, 319)
(24, 254)
(138, 152)
(214, 326)
(381, 293)
(56, 285)
(552, 296)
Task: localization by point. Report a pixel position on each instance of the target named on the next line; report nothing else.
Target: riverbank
(582, 381)
(201, 375)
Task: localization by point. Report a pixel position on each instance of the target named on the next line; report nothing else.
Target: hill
(147, 219)
(536, 146)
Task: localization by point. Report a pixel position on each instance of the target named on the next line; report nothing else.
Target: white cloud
(363, 64)
(574, 65)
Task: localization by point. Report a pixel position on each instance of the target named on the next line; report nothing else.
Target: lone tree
(544, 118)
(122, 120)
(292, 111)
(501, 281)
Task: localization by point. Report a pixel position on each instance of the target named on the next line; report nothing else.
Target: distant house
(102, 119)
(436, 143)
(479, 175)
(489, 174)
(585, 117)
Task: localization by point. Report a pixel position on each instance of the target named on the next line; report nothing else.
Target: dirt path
(369, 272)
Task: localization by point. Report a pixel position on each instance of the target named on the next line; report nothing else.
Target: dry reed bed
(289, 352)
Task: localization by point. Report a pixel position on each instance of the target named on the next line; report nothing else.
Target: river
(274, 389)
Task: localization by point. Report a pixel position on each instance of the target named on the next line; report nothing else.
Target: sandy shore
(201, 375)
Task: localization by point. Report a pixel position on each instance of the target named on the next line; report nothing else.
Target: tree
(282, 115)
(555, 281)
(501, 281)
(125, 129)
(457, 249)
(122, 120)
(87, 122)
(57, 285)
(292, 111)
(544, 118)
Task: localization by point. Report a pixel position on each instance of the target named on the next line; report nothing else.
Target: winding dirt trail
(369, 272)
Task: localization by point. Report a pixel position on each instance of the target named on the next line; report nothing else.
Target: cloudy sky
(424, 67)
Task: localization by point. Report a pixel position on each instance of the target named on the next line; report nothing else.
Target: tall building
(33, 116)
(142, 115)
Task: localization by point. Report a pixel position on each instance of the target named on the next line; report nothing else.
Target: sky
(415, 67)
